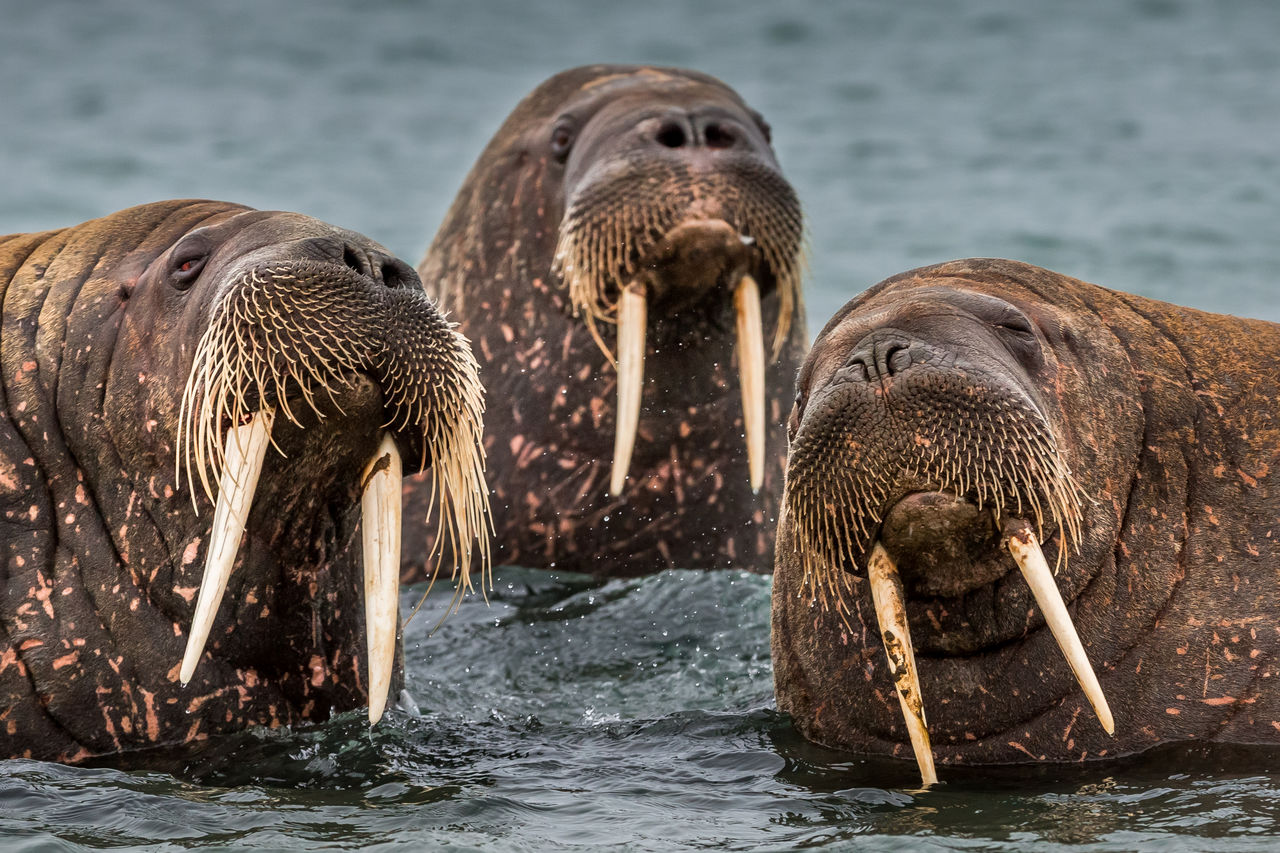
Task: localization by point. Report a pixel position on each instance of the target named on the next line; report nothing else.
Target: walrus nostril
(397, 274)
(860, 369)
(861, 364)
(898, 358)
(882, 355)
(672, 135)
(356, 260)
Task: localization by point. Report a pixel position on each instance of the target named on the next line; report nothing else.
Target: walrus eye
(561, 140)
(1017, 324)
(1017, 328)
(1020, 337)
(186, 265)
(793, 423)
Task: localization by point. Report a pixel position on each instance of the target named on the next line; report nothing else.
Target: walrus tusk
(380, 514)
(886, 592)
(242, 466)
(746, 299)
(632, 310)
(1030, 559)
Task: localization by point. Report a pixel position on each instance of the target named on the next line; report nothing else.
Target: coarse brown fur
(583, 189)
(1165, 420)
(104, 532)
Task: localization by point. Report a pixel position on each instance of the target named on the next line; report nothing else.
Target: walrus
(647, 201)
(175, 375)
(1030, 519)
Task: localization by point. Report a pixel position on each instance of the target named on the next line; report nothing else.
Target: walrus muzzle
(281, 339)
(927, 459)
(667, 235)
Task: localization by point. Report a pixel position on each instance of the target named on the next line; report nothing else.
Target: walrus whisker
(245, 449)
(891, 615)
(380, 521)
(746, 300)
(1025, 548)
(253, 351)
(632, 318)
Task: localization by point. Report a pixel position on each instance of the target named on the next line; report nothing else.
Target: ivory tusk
(746, 300)
(891, 613)
(380, 519)
(246, 447)
(632, 310)
(1030, 559)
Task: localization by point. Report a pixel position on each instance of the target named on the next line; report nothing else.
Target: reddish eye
(189, 257)
(561, 140)
(186, 269)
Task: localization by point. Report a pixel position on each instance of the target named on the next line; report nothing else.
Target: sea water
(1134, 143)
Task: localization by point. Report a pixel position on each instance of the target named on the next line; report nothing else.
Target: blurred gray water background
(1134, 143)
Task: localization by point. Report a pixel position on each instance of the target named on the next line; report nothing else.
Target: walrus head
(931, 459)
(671, 221)
(324, 323)
(239, 389)
(926, 425)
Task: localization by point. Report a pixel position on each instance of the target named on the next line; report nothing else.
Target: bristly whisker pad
(301, 333)
(853, 458)
(613, 225)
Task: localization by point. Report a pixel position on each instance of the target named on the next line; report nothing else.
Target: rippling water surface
(568, 714)
(1135, 143)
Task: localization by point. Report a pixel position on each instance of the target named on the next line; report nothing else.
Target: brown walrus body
(937, 406)
(604, 177)
(103, 545)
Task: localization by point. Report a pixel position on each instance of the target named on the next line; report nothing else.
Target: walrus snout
(318, 331)
(684, 209)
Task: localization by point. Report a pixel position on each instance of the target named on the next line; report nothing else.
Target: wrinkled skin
(104, 549)
(1167, 419)
(684, 145)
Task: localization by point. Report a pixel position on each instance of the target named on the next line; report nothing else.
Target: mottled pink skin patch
(317, 671)
(8, 658)
(8, 474)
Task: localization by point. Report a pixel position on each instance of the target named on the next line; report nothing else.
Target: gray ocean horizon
(1133, 143)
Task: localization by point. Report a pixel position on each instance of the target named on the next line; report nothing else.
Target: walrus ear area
(797, 412)
(804, 382)
(765, 127)
(188, 259)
